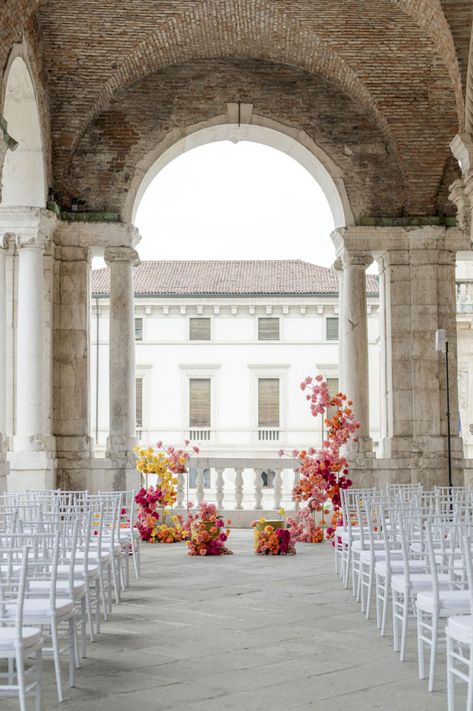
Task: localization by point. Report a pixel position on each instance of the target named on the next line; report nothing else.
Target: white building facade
(221, 349)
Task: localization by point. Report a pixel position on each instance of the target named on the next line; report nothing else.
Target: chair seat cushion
(418, 582)
(449, 600)
(356, 545)
(29, 637)
(62, 586)
(39, 608)
(92, 571)
(460, 628)
(397, 566)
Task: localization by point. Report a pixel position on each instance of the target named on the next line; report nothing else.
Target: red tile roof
(229, 278)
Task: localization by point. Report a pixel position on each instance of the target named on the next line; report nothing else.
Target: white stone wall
(233, 359)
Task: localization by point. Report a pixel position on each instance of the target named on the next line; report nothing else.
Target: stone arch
(261, 130)
(469, 91)
(24, 169)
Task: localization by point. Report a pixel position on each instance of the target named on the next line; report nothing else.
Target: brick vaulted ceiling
(395, 70)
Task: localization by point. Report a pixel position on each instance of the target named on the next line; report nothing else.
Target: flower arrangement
(273, 538)
(206, 534)
(155, 503)
(324, 472)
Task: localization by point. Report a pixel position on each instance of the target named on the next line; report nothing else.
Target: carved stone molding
(356, 259)
(121, 254)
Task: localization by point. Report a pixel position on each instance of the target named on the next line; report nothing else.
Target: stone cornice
(98, 235)
(30, 227)
(378, 240)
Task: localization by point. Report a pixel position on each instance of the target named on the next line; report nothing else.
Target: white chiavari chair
(19, 643)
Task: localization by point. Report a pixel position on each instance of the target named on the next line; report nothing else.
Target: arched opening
(267, 132)
(23, 175)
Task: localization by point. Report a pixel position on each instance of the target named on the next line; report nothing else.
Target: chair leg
(369, 591)
(450, 675)
(72, 651)
(39, 680)
(433, 650)
(20, 674)
(469, 698)
(387, 583)
(395, 623)
(420, 644)
(405, 619)
(378, 602)
(57, 662)
(88, 605)
(83, 627)
(98, 598)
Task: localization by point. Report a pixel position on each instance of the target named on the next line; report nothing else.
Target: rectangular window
(138, 329)
(333, 389)
(199, 329)
(199, 402)
(139, 403)
(268, 329)
(268, 402)
(331, 328)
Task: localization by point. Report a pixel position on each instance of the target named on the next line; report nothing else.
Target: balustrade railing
(238, 484)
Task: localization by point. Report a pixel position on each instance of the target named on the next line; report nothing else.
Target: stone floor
(242, 633)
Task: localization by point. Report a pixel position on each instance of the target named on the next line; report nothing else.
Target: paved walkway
(242, 633)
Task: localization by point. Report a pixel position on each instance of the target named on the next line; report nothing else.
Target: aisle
(241, 633)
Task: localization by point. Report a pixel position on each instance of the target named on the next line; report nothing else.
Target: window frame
(332, 319)
(189, 329)
(258, 331)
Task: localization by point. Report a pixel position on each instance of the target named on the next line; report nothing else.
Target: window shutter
(268, 402)
(199, 329)
(268, 329)
(331, 329)
(138, 329)
(139, 402)
(199, 402)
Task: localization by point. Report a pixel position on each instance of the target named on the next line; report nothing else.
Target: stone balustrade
(242, 488)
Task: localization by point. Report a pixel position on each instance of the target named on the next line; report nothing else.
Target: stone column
(3, 365)
(30, 341)
(354, 336)
(338, 266)
(122, 432)
(71, 366)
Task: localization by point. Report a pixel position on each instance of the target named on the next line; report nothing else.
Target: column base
(362, 445)
(426, 446)
(34, 471)
(119, 448)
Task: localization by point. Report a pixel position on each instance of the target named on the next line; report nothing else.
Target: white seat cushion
(29, 635)
(39, 608)
(449, 600)
(93, 556)
(397, 566)
(460, 628)
(92, 571)
(418, 582)
(62, 586)
(356, 545)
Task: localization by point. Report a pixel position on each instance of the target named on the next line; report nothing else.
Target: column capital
(337, 265)
(356, 259)
(31, 227)
(121, 254)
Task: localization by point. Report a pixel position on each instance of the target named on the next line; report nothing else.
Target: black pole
(448, 419)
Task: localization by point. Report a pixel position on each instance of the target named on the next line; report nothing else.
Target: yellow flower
(282, 512)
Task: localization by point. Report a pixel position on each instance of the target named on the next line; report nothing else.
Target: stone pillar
(383, 377)
(122, 425)
(3, 367)
(30, 340)
(354, 337)
(71, 365)
(32, 461)
(419, 299)
(338, 266)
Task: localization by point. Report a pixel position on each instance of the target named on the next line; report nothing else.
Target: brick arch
(384, 60)
(468, 123)
(201, 32)
(430, 18)
(156, 112)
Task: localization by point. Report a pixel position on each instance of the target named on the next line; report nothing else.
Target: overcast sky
(230, 200)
